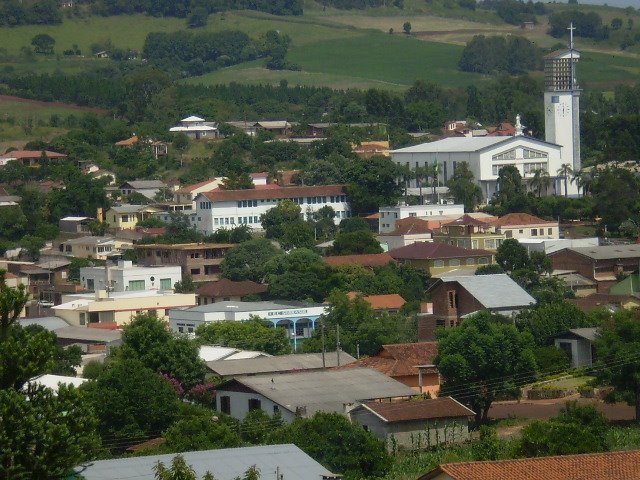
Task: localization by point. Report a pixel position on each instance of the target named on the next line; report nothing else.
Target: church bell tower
(562, 104)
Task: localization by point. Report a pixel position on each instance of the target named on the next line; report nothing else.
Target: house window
(438, 263)
(225, 404)
(454, 262)
(471, 261)
(83, 318)
(136, 285)
(254, 404)
(453, 299)
(165, 284)
(195, 271)
(550, 231)
(482, 261)
(276, 409)
(90, 284)
(534, 232)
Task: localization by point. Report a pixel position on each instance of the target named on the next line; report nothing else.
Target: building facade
(126, 277)
(228, 208)
(199, 260)
(468, 232)
(298, 319)
(390, 215)
(126, 217)
(524, 225)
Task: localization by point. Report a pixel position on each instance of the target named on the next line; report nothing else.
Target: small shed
(415, 424)
(578, 344)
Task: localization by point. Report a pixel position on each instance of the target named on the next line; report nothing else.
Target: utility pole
(338, 344)
(324, 362)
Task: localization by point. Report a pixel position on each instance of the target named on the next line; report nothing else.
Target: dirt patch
(463, 31)
(39, 103)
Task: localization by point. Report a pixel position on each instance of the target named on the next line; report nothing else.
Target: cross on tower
(571, 28)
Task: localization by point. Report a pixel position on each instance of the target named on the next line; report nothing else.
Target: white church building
(487, 155)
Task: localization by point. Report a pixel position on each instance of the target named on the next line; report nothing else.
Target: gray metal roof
(224, 464)
(494, 291)
(606, 252)
(466, 144)
(89, 334)
(325, 390)
(249, 306)
(50, 323)
(128, 208)
(279, 363)
(144, 184)
(587, 333)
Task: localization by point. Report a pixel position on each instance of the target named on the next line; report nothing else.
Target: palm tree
(565, 171)
(420, 174)
(434, 172)
(540, 181)
(584, 180)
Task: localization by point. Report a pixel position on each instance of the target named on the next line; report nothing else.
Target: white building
(128, 277)
(196, 127)
(486, 156)
(524, 225)
(389, 215)
(298, 319)
(228, 208)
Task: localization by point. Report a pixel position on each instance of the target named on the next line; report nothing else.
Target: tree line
(513, 54)
(40, 12)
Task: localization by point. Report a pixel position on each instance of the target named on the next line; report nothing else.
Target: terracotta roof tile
(391, 301)
(411, 226)
(610, 465)
(409, 410)
(128, 141)
(431, 250)
(195, 186)
(19, 154)
(366, 260)
(287, 192)
(400, 359)
(466, 220)
(229, 288)
(521, 219)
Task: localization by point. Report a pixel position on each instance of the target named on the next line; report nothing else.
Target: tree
(300, 275)
(577, 429)
(545, 321)
(406, 27)
(32, 244)
(179, 470)
(43, 43)
(485, 356)
(342, 446)
(617, 347)
(565, 171)
(126, 409)
(541, 181)
(250, 335)
(247, 261)
(353, 224)
(147, 338)
(198, 18)
(43, 433)
(463, 188)
(511, 193)
(12, 301)
(277, 219)
(511, 255)
(355, 243)
(240, 181)
(372, 182)
(200, 432)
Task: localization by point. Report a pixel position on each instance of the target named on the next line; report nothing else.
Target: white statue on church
(519, 127)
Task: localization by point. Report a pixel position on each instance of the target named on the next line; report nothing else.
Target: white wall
(389, 215)
(549, 232)
(240, 405)
(121, 276)
(212, 216)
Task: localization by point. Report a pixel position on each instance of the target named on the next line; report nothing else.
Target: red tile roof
(466, 220)
(411, 410)
(521, 219)
(400, 359)
(128, 141)
(20, 154)
(259, 175)
(591, 466)
(391, 301)
(366, 260)
(411, 226)
(264, 194)
(195, 186)
(434, 250)
(229, 288)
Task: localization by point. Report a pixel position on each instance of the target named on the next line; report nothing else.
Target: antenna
(571, 28)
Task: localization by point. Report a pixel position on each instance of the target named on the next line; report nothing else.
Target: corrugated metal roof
(279, 363)
(224, 464)
(606, 252)
(586, 333)
(325, 390)
(454, 144)
(494, 291)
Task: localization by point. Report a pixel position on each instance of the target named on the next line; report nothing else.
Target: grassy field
(340, 49)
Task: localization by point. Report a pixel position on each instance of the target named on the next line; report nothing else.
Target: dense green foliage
(250, 335)
(247, 261)
(513, 54)
(484, 357)
(587, 24)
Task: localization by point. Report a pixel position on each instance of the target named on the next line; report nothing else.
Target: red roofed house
(415, 424)
(391, 303)
(408, 230)
(367, 260)
(188, 193)
(440, 258)
(220, 209)
(408, 363)
(590, 466)
(523, 225)
(29, 158)
(225, 290)
(469, 232)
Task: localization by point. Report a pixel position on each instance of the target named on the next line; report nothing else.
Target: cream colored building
(99, 248)
(524, 225)
(118, 307)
